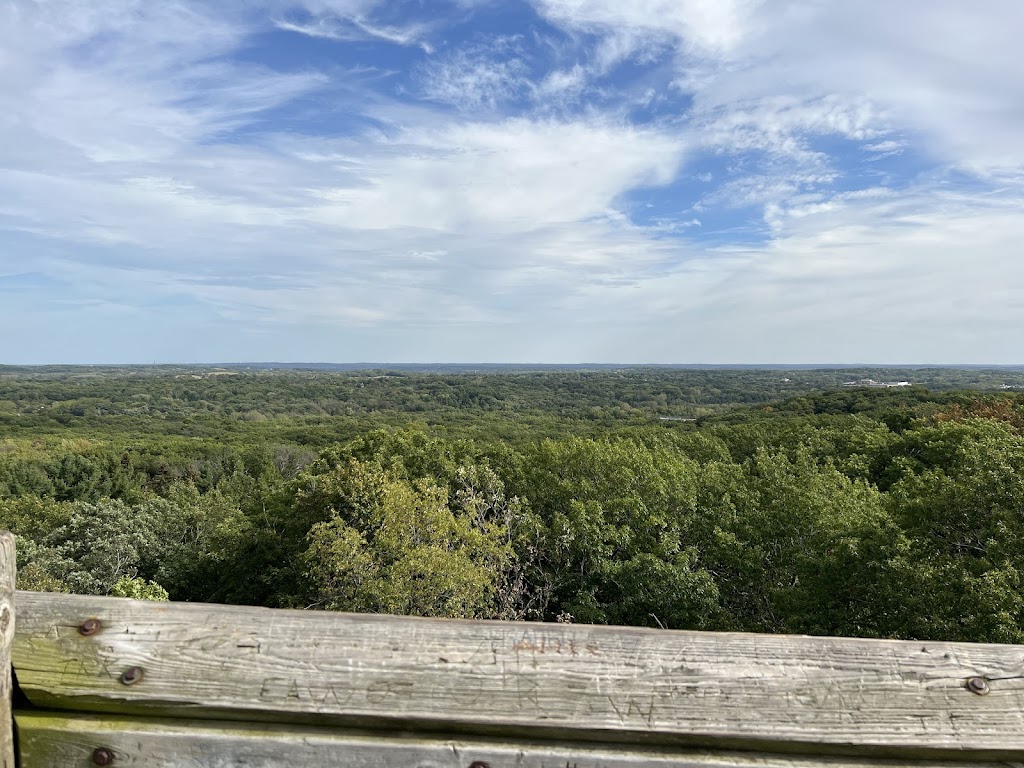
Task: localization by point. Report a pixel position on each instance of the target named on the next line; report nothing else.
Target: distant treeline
(197, 398)
(788, 506)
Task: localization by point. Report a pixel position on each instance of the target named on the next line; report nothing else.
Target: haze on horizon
(556, 181)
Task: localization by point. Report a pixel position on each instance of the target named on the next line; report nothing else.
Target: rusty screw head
(978, 685)
(131, 676)
(90, 627)
(102, 756)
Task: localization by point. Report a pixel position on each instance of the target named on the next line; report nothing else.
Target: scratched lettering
(466, 691)
(527, 695)
(288, 690)
(544, 644)
(380, 691)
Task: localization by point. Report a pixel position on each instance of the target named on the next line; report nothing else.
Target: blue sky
(667, 181)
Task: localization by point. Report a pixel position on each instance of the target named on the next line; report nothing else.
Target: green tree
(616, 510)
(101, 543)
(391, 545)
(794, 546)
(960, 503)
(139, 589)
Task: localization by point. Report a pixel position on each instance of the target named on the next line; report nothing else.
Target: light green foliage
(522, 587)
(139, 589)
(37, 565)
(392, 545)
(32, 517)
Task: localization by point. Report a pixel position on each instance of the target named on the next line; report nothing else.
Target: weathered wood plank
(7, 578)
(578, 682)
(52, 740)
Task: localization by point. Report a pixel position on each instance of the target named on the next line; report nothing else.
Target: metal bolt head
(132, 675)
(479, 764)
(978, 685)
(90, 627)
(102, 756)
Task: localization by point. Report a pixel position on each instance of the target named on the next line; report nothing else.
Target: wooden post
(7, 575)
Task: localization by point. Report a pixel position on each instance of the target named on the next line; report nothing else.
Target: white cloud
(430, 222)
(350, 20)
(941, 70)
(474, 77)
(354, 28)
(502, 76)
(944, 70)
(886, 147)
(563, 84)
(920, 277)
(781, 125)
(704, 26)
(511, 176)
(155, 87)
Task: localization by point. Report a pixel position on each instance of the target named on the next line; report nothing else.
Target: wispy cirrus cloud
(478, 76)
(354, 28)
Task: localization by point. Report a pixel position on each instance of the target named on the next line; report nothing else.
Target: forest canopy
(748, 500)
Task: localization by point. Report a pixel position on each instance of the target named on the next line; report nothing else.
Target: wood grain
(773, 693)
(54, 741)
(7, 579)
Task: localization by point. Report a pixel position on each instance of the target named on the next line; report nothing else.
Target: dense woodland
(750, 500)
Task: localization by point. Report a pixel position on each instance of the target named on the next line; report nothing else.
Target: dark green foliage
(614, 510)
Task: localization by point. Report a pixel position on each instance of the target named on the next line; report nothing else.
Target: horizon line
(383, 365)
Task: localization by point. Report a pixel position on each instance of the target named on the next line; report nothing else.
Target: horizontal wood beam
(48, 740)
(520, 680)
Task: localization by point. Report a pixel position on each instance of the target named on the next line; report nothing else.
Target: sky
(551, 181)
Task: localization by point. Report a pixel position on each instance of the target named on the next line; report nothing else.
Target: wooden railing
(105, 681)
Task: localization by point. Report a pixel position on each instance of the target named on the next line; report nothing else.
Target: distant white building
(877, 384)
